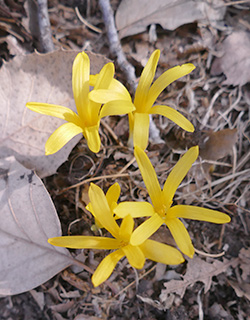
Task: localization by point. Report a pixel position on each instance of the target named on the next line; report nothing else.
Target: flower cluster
(110, 97)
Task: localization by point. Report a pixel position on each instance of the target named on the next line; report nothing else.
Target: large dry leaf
(41, 78)
(235, 60)
(197, 270)
(134, 16)
(217, 145)
(28, 218)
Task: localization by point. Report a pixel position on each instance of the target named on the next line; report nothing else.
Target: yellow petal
(174, 116)
(165, 79)
(126, 228)
(92, 79)
(55, 111)
(104, 96)
(105, 76)
(146, 229)
(84, 242)
(113, 194)
(197, 213)
(145, 81)
(80, 82)
(161, 252)
(141, 130)
(117, 86)
(181, 236)
(119, 107)
(149, 177)
(101, 209)
(106, 267)
(135, 256)
(93, 139)
(135, 209)
(178, 173)
(60, 137)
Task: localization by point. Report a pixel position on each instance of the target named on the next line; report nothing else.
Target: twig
(40, 25)
(114, 43)
(86, 23)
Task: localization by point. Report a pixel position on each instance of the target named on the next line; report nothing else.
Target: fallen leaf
(40, 78)
(28, 218)
(217, 145)
(235, 60)
(197, 270)
(134, 16)
(245, 263)
(242, 290)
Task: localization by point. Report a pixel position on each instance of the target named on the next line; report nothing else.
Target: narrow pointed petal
(116, 108)
(145, 81)
(149, 177)
(55, 111)
(146, 229)
(161, 252)
(166, 79)
(141, 130)
(135, 256)
(126, 228)
(117, 86)
(84, 242)
(105, 76)
(178, 173)
(104, 96)
(101, 209)
(92, 79)
(93, 139)
(106, 267)
(60, 137)
(197, 213)
(181, 236)
(174, 116)
(113, 194)
(80, 82)
(135, 209)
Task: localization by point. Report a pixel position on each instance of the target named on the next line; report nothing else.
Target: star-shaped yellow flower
(160, 211)
(89, 113)
(145, 96)
(136, 255)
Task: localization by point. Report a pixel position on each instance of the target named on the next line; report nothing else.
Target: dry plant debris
(212, 105)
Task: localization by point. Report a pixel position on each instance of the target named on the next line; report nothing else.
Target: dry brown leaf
(197, 270)
(242, 290)
(41, 78)
(134, 16)
(217, 145)
(28, 218)
(235, 61)
(245, 263)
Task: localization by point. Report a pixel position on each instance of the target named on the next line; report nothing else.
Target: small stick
(40, 25)
(114, 43)
(86, 23)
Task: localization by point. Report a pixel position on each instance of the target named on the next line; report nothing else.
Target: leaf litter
(202, 99)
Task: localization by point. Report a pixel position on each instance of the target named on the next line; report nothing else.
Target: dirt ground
(216, 99)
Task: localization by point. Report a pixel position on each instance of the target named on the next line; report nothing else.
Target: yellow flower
(136, 255)
(112, 197)
(89, 113)
(145, 96)
(160, 211)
